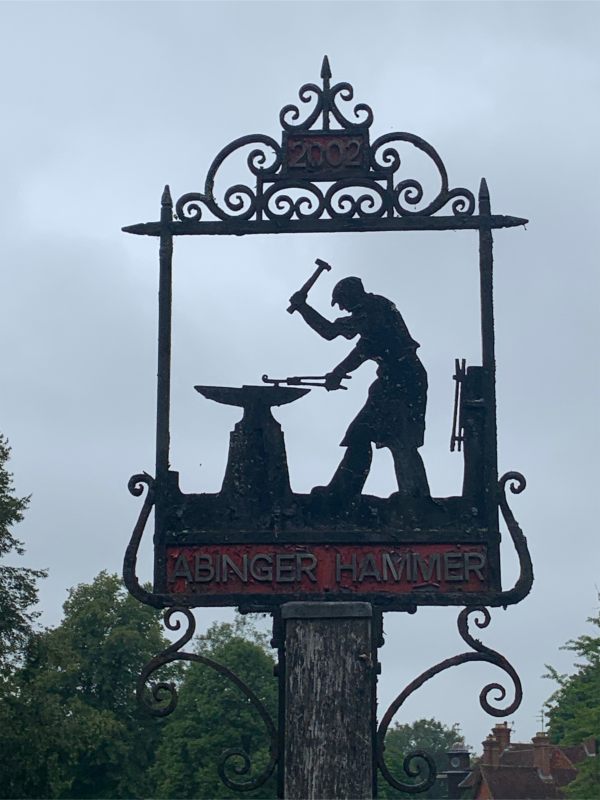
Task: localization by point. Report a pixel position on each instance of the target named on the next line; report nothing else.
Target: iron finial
(166, 199)
(139, 228)
(326, 97)
(484, 197)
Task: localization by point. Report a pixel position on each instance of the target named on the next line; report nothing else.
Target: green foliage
(425, 734)
(587, 783)
(18, 589)
(70, 726)
(213, 716)
(574, 708)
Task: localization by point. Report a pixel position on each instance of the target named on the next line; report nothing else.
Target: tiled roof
(516, 777)
(574, 753)
(563, 776)
(517, 783)
(516, 756)
(470, 780)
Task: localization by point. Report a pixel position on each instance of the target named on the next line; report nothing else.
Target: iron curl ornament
(326, 105)
(330, 146)
(420, 764)
(136, 487)
(517, 483)
(161, 700)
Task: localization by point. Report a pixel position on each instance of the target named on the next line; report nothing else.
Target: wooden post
(329, 700)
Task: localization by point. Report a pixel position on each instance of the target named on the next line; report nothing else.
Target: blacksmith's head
(348, 294)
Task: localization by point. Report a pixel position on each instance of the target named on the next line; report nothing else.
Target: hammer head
(322, 264)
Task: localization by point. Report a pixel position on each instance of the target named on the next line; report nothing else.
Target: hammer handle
(322, 266)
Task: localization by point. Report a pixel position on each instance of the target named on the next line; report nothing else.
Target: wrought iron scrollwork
(161, 700)
(346, 161)
(424, 763)
(524, 582)
(410, 192)
(136, 487)
(240, 201)
(325, 106)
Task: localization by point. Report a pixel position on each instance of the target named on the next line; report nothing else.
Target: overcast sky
(103, 103)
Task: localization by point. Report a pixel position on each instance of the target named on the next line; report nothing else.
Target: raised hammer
(322, 266)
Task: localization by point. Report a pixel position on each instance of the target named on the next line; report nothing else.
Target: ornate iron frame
(311, 182)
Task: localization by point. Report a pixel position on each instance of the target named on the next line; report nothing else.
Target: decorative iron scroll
(324, 172)
(325, 105)
(419, 763)
(524, 582)
(136, 487)
(163, 700)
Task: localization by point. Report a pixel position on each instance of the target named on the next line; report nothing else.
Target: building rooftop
(536, 770)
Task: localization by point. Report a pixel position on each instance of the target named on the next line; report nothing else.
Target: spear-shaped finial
(326, 97)
(166, 200)
(484, 197)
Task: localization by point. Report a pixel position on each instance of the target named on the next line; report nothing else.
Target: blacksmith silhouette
(394, 414)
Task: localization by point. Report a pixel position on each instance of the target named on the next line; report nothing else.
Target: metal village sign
(256, 544)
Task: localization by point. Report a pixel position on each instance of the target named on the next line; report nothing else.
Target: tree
(18, 588)
(213, 716)
(574, 709)
(70, 726)
(424, 734)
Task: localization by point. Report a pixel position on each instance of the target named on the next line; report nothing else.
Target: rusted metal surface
(256, 544)
(136, 487)
(163, 394)
(242, 227)
(301, 380)
(457, 436)
(256, 502)
(161, 700)
(420, 764)
(324, 175)
(375, 560)
(320, 570)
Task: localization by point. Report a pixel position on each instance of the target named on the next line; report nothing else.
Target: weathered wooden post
(328, 563)
(329, 700)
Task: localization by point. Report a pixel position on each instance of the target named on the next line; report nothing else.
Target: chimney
(501, 734)
(541, 754)
(491, 752)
